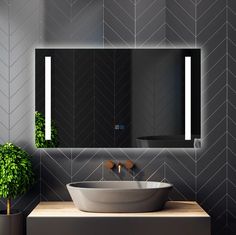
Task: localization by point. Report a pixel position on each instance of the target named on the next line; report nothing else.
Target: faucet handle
(129, 165)
(109, 164)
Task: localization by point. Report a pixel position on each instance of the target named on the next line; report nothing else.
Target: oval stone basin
(119, 196)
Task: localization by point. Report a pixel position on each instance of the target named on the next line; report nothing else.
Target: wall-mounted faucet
(128, 165)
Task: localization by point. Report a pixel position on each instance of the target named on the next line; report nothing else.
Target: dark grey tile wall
(212, 161)
(119, 20)
(206, 175)
(231, 114)
(150, 23)
(181, 23)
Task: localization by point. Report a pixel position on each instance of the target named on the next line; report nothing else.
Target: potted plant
(40, 141)
(16, 177)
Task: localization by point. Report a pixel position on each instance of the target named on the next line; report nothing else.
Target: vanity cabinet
(63, 218)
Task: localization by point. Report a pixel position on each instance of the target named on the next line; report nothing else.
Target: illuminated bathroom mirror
(118, 98)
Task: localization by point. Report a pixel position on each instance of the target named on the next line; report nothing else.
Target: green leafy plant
(16, 173)
(40, 141)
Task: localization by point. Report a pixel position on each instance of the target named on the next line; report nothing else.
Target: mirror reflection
(117, 98)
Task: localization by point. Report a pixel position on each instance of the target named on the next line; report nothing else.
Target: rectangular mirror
(118, 98)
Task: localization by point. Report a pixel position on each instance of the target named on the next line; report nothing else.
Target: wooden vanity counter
(63, 218)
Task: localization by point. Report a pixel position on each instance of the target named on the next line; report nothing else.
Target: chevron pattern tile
(73, 23)
(211, 160)
(231, 66)
(119, 23)
(55, 174)
(180, 23)
(180, 170)
(150, 23)
(87, 165)
(24, 36)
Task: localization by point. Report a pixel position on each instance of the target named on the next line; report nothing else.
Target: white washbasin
(119, 196)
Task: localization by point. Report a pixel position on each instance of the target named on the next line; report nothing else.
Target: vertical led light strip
(48, 98)
(187, 98)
